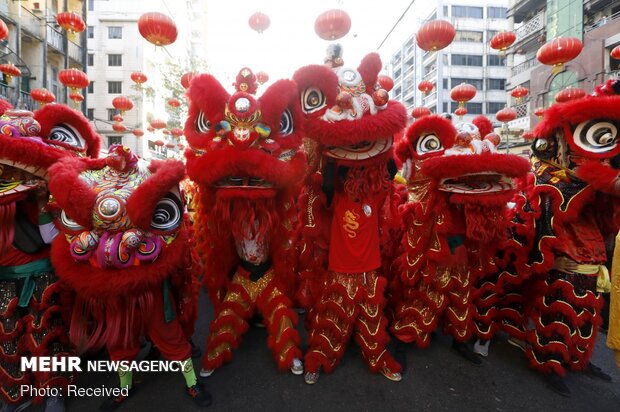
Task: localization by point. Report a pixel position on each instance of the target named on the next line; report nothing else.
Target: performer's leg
(459, 311)
(371, 327)
(281, 321)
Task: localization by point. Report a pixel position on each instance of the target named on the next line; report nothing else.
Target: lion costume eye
(427, 144)
(66, 134)
(286, 123)
(597, 136)
(312, 99)
(203, 125)
(168, 213)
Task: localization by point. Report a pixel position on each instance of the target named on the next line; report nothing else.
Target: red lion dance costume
(352, 124)
(246, 161)
(34, 308)
(458, 189)
(567, 208)
(125, 252)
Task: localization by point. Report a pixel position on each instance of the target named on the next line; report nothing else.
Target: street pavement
(435, 379)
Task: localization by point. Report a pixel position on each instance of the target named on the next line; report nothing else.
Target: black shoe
(114, 402)
(556, 384)
(465, 351)
(196, 352)
(199, 395)
(593, 370)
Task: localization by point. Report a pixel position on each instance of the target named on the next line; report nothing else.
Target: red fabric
(168, 337)
(15, 257)
(354, 246)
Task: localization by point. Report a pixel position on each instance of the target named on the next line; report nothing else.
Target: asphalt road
(435, 379)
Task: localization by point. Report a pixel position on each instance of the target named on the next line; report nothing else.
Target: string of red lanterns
(420, 111)
(506, 115)
(10, 71)
(157, 28)
(519, 93)
(138, 77)
(332, 24)
(463, 93)
(502, 41)
(122, 104)
(71, 22)
(42, 96)
(570, 93)
(425, 87)
(559, 51)
(435, 35)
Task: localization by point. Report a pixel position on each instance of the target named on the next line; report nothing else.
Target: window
(112, 140)
(496, 12)
(468, 36)
(397, 93)
(494, 107)
(496, 84)
(91, 59)
(91, 87)
(91, 5)
(445, 84)
(115, 87)
(495, 60)
(90, 114)
(472, 108)
(115, 59)
(397, 74)
(444, 107)
(465, 11)
(111, 114)
(115, 32)
(466, 60)
(90, 31)
(477, 83)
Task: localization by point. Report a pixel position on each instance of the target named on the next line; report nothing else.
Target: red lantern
(540, 111)
(462, 93)
(158, 142)
(262, 77)
(615, 53)
(157, 124)
(138, 77)
(418, 112)
(150, 129)
(176, 132)
(529, 135)
(570, 93)
(42, 96)
(73, 78)
(119, 127)
(4, 30)
(122, 104)
(117, 118)
(559, 51)
(506, 115)
(460, 112)
(170, 144)
(166, 132)
(332, 24)
(76, 97)
(157, 28)
(259, 22)
(71, 22)
(425, 87)
(502, 41)
(186, 79)
(181, 146)
(435, 35)
(385, 82)
(138, 132)
(10, 71)
(175, 103)
(519, 93)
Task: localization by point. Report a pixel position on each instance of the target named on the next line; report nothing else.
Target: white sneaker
(482, 347)
(205, 373)
(311, 378)
(297, 367)
(521, 344)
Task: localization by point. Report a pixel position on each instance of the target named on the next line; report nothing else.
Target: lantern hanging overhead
(332, 24)
(170, 144)
(117, 118)
(262, 77)
(71, 22)
(166, 132)
(519, 93)
(186, 79)
(174, 103)
(502, 41)
(138, 132)
(529, 135)
(539, 112)
(122, 104)
(385, 82)
(42, 96)
(462, 93)
(138, 77)
(150, 129)
(615, 53)
(119, 127)
(157, 124)
(10, 71)
(420, 111)
(181, 146)
(506, 115)
(4, 30)
(570, 93)
(425, 87)
(176, 132)
(77, 97)
(435, 35)
(73, 78)
(157, 28)
(559, 51)
(259, 22)
(158, 142)
(460, 112)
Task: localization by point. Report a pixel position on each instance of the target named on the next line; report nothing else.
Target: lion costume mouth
(245, 182)
(477, 183)
(360, 151)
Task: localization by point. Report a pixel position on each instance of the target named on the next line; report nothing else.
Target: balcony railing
(23, 102)
(533, 26)
(522, 109)
(54, 39)
(75, 52)
(520, 68)
(602, 22)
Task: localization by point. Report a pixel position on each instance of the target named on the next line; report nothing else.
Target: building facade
(39, 48)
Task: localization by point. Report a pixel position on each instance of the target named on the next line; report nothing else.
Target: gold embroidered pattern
(350, 223)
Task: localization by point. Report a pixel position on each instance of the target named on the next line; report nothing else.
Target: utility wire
(396, 24)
